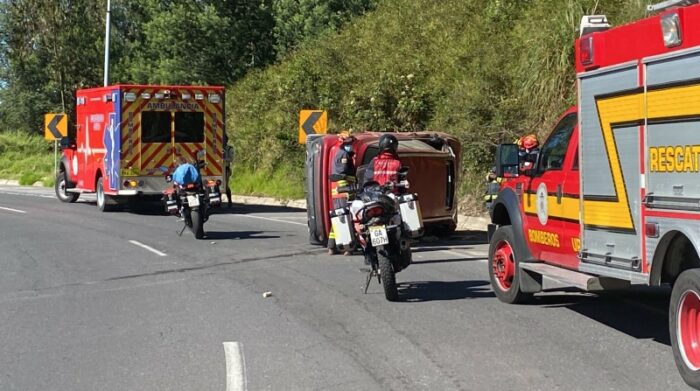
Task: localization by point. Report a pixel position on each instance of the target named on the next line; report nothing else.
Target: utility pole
(106, 80)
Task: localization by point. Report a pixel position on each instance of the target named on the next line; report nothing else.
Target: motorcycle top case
(185, 174)
(342, 227)
(410, 214)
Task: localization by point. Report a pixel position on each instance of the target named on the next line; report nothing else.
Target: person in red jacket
(385, 166)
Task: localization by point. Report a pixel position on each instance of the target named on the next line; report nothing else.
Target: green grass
(27, 158)
(283, 183)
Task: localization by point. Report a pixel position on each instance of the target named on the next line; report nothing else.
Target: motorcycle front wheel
(197, 223)
(388, 277)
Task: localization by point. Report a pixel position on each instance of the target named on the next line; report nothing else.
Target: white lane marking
(149, 248)
(12, 210)
(462, 255)
(235, 367)
(278, 220)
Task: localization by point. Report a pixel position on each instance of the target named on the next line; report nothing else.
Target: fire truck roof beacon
(664, 5)
(593, 23)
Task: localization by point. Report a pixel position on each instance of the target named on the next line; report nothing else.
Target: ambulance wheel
(104, 202)
(197, 224)
(388, 277)
(684, 326)
(503, 267)
(61, 186)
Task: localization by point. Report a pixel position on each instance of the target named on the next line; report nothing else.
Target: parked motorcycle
(190, 198)
(382, 219)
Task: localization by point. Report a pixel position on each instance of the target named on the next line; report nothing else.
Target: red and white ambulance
(128, 137)
(613, 198)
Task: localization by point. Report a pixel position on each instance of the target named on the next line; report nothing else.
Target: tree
(299, 20)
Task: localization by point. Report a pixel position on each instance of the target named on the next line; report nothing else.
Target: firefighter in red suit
(384, 167)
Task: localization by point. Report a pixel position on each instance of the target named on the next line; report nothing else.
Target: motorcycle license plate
(378, 235)
(192, 201)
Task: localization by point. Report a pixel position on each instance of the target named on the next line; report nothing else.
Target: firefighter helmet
(528, 142)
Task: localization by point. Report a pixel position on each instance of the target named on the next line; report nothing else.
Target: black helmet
(388, 142)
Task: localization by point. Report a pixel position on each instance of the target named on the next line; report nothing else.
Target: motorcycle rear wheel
(388, 277)
(197, 224)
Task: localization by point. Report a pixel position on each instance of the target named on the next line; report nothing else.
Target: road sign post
(312, 122)
(55, 128)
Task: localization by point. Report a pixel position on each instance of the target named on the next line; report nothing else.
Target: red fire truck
(613, 198)
(128, 137)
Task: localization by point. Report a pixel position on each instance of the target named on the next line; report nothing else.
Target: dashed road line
(235, 367)
(12, 210)
(149, 248)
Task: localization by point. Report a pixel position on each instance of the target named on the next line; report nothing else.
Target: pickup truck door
(550, 211)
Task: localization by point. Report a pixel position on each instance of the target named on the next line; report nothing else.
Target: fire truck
(128, 137)
(613, 195)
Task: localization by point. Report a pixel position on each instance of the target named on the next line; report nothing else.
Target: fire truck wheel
(503, 267)
(104, 202)
(684, 325)
(61, 186)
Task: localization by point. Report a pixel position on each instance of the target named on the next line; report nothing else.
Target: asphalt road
(118, 301)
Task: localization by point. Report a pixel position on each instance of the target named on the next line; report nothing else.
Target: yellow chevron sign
(55, 126)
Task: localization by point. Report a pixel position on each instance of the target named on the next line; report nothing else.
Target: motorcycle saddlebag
(342, 227)
(410, 214)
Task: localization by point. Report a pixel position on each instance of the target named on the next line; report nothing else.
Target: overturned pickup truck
(433, 161)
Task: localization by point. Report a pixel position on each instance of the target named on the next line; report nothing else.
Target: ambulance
(127, 138)
(613, 197)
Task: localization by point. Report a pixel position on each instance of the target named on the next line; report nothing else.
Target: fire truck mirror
(68, 143)
(507, 160)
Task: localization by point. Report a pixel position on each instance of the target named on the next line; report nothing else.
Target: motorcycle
(384, 219)
(190, 198)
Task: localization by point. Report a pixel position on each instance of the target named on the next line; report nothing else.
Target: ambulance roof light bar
(593, 23)
(664, 5)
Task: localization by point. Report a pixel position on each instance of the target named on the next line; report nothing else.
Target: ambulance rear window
(155, 126)
(189, 127)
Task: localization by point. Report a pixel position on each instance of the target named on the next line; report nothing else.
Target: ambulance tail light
(186, 96)
(214, 98)
(199, 96)
(145, 95)
(129, 96)
(671, 29)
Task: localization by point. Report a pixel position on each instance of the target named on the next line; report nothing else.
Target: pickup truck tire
(61, 186)
(684, 325)
(503, 267)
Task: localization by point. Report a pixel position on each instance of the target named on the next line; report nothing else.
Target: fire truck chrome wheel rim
(504, 265)
(689, 329)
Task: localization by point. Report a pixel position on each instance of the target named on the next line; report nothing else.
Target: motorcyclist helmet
(388, 142)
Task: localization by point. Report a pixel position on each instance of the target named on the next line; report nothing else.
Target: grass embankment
(26, 158)
(485, 72)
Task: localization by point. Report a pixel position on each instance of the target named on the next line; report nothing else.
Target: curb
(11, 182)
